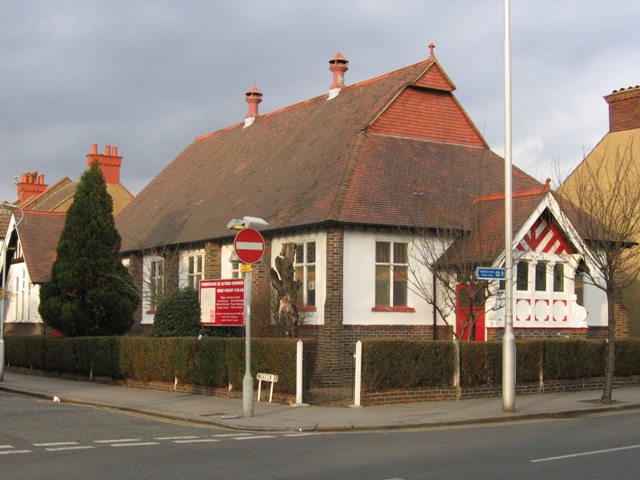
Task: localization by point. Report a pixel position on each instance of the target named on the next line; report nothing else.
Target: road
(47, 440)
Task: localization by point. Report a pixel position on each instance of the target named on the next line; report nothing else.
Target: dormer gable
(426, 109)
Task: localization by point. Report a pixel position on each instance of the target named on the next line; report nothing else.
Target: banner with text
(222, 302)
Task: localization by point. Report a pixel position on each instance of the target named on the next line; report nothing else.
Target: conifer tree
(90, 292)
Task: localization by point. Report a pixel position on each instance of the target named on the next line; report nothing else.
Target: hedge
(403, 364)
(209, 362)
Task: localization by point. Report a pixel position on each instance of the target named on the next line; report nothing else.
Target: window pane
(199, 266)
(191, 264)
(311, 252)
(299, 253)
(311, 286)
(541, 277)
(400, 286)
(383, 285)
(299, 277)
(579, 288)
(558, 277)
(400, 253)
(522, 282)
(383, 250)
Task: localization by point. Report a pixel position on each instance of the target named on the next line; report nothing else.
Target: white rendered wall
(359, 284)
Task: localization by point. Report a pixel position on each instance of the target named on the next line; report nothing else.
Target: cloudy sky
(151, 75)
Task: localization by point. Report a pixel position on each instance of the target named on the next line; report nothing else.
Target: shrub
(178, 314)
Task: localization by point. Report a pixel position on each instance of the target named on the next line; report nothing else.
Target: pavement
(228, 412)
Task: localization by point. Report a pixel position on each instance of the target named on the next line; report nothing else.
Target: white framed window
(195, 270)
(23, 297)
(305, 273)
(235, 270)
(392, 267)
(154, 282)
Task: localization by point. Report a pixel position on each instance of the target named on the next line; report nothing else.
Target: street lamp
(247, 381)
(6, 206)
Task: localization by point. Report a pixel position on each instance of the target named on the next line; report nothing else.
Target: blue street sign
(486, 273)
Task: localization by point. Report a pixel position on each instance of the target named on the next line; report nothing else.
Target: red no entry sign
(249, 245)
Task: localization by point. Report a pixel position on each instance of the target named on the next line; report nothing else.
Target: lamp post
(6, 206)
(508, 339)
(247, 381)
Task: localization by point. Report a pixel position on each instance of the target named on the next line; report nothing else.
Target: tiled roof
(59, 197)
(39, 234)
(54, 198)
(356, 159)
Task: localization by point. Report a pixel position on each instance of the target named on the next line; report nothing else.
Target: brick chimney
(624, 109)
(338, 65)
(109, 163)
(253, 97)
(31, 184)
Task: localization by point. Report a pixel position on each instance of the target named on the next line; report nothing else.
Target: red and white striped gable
(544, 237)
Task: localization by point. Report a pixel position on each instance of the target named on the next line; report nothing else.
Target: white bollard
(358, 386)
(299, 372)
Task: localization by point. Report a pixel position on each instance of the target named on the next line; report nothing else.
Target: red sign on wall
(222, 302)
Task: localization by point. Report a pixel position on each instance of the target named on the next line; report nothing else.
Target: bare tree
(604, 192)
(283, 282)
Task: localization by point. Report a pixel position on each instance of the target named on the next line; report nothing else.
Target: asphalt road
(47, 440)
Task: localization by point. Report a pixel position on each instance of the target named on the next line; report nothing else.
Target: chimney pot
(94, 149)
(338, 65)
(253, 97)
(107, 150)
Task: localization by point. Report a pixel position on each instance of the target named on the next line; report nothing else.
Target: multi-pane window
(541, 277)
(305, 272)
(578, 283)
(558, 277)
(235, 270)
(23, 297)
(522, 276)
(391, 274)
(155, 282)
(194, 270)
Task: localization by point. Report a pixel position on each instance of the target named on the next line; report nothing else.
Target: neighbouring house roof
(396, 150)
(39, 234)
(59, 197)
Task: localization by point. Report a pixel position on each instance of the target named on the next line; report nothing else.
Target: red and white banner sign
(222, 302)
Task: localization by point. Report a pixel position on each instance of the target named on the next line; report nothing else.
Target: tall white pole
(247, 381)
(4, 294)
(508, 340)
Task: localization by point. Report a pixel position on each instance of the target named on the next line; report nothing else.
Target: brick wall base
(24, 328)
(391, 397)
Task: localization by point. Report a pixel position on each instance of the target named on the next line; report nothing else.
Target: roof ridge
(518, 194)
(360, 84)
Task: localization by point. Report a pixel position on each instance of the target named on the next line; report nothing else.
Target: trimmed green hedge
(399, 364)
(387, 364)
(209, 362)
(390, 364)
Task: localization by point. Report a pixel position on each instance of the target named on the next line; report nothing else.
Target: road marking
(595, 452)
(6, 446)
(189, 437)
(136, 444)
(308, 434)
(257, 437)
(77, 447)
(118, 440)
(197, 440)
(233, 435)
(54, 444)
(10, 452)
